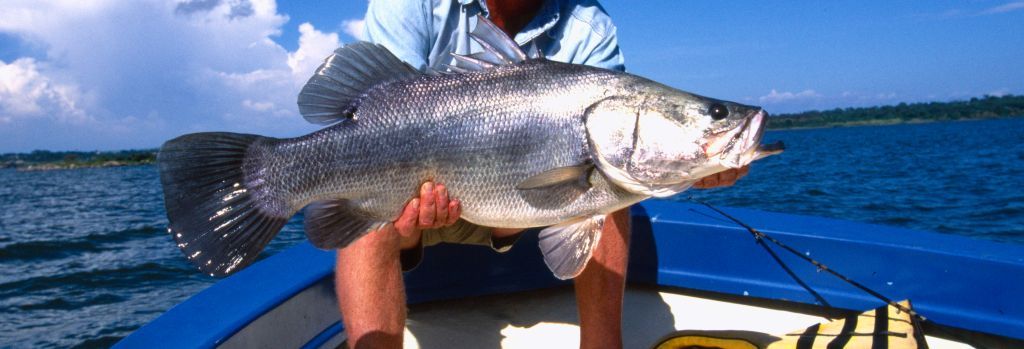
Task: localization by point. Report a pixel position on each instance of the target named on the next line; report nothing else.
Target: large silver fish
(521, 141)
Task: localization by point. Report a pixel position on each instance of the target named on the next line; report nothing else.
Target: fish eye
(718, 111)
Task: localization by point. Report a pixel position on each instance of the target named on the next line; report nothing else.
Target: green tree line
(82, 158)
(975, 108)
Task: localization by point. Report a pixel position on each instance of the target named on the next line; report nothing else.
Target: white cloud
(165, 67)
(27, 93)
(356, 28)
(257, 106)
(861, 98)
(314, 46)
(999, 92)
(961, 13)
(1004, 8)
(780, 97)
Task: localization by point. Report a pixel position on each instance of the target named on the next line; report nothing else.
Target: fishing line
(821, 300)
(760, 236)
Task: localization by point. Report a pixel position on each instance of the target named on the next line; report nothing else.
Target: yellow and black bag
(881, 328)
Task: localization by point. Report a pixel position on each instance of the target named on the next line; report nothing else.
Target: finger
(743, 171)
(427, 205)
(699, 184)
(454, 211)
(441, 195)
(728, 177)
(406, 222)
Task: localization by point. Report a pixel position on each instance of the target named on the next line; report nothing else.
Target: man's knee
(381, 240)
(378, 249)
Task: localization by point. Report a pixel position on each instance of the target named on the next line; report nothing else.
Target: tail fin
(213, 214)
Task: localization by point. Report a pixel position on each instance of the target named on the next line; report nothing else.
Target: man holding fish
(513, 140)
(369, 271)
(558, 138)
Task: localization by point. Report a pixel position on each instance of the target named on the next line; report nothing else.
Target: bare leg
(368, 283)
(368, 273)
(599, 289)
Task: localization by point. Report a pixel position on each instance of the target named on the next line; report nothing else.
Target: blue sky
(108, 74)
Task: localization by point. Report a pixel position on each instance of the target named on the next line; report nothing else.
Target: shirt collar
(546, 18)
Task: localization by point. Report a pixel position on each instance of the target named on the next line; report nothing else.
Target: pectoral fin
(556, 176)
(334, 224)
(567, 247)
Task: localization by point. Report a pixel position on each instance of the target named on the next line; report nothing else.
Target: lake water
(86, 259)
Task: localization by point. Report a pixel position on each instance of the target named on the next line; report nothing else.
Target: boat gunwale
(292, 270)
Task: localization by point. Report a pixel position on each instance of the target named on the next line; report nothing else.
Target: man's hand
(722, 179)
(432, 209)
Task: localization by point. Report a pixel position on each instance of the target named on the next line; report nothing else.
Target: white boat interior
(690, 270)
(547, 319)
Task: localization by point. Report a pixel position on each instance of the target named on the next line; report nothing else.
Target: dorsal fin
(534, 51)
(498, 48)
(334, 91)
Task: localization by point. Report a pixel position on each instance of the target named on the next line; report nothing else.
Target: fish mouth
(743, 146)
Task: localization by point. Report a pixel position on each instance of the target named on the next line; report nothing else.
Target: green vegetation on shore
(56, 160)
(975, 108)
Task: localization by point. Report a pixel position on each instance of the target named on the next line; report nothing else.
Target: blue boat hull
(956, 281)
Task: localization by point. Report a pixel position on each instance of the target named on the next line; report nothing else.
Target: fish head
(661, 141)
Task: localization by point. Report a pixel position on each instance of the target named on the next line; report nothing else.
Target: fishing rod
(761, 236)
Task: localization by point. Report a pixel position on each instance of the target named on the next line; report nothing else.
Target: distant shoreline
(988, 107)
(42, 160)
(62, 165)
(985, 108)
(76, 166)
(882, 122)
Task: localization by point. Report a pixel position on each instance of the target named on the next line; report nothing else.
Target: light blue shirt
(424, 32)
